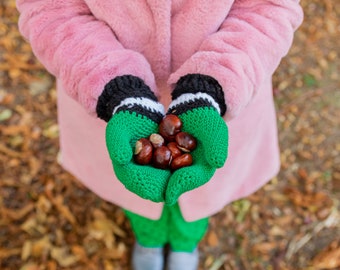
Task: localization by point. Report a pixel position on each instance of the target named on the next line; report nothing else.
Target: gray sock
(147, 258)
(183, 260)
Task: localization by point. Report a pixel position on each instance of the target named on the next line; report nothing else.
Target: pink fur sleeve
(81, 51)
(247, 49)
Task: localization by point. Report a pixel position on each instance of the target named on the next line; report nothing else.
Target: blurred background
(48, 220)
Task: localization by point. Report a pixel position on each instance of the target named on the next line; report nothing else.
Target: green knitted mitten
(198, 100)
(136, 114)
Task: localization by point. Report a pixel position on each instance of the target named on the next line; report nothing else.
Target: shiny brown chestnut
(169, 126)
(175, 151)
(181, 161)
(156, 140)
(161, 157)
(143, 151)
(185, 141)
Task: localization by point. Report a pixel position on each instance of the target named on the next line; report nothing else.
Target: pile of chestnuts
(169, 148)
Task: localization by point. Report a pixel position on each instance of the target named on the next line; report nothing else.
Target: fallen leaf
(264, 247)
(5, 115)
(41, 247)
(58, 202)
(51, 132)
(212, 239)
(63, 256)
(30, 266)
(26, 250)
(329, 259)
(17, 214)
(5, 253)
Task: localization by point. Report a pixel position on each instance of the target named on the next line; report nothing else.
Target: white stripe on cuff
(188, 97)
(142, 101)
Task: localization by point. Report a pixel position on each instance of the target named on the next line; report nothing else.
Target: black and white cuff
(128, 93)
(197, 90)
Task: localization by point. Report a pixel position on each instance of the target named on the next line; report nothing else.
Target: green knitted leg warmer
(184, 236)
(148, 232)
(170, 228)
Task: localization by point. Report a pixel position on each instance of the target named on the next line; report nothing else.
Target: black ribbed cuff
(128, 93)
(197, 90)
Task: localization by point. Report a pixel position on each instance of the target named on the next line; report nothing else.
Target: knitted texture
(122, 132)
(199, 102)
(204, 89)
(171, 229)
(132, 112)
(128, 93)
(211, 132)
(185, 236)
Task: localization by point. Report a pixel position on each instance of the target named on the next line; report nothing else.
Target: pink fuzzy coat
(86, 43)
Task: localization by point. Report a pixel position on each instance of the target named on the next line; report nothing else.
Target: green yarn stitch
(211, 133)
(170, 228)
(122, 132)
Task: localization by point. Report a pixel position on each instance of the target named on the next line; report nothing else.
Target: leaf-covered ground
(50, 221)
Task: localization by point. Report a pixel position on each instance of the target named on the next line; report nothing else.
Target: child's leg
(183, 238)
(151, 236)
(183, 235)
(149, 232)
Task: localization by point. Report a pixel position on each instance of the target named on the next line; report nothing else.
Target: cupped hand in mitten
(132, 112)
(201, 117)
(211, 133)
(122, 132)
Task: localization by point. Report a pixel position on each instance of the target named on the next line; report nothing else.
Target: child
(121, 65)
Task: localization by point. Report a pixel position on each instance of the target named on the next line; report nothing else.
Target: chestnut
(156, 140)
(181, 161)
(161, 157)
(185, 141)
(167, 149)
(143, 151)
(169, 126)
(175, 151)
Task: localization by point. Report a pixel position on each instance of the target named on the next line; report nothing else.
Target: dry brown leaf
(41, 247)
(108, 265)
(30, 266)
(63, 257)
(35, 165)
(32, 226)
(26, 250)
(264, 247)
(212, 239)
(115, 253)
(100, 215)
(52, 265)
(17, 214)
(277, 231)
(13, 129)
(58, 202)
(9, 152)
(5, 252)
(43, 204)
(51, 132)
(329, 259)
(80, 252)
(101, 229)
(209, 261)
